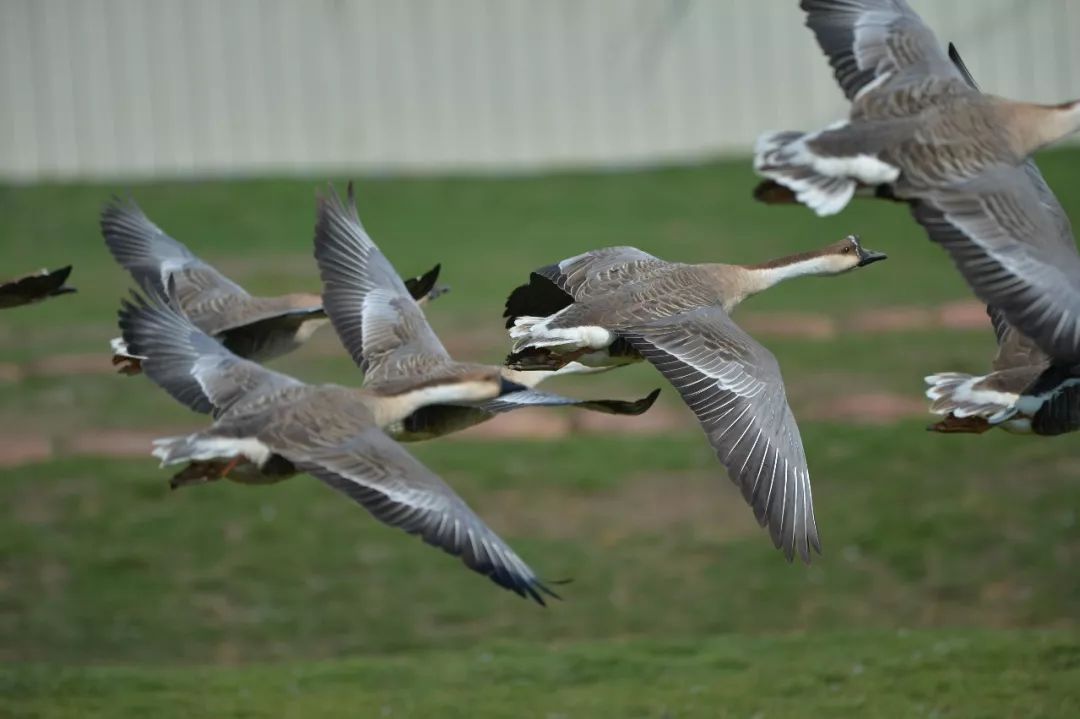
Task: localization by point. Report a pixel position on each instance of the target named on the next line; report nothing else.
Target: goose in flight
(260, 328)
(991, 210)
(1025, 392)
(677, 316)
(390, 339)
(32, 288)
(959, 157)
(268, 426)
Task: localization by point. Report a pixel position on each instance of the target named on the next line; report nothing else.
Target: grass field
(948, 586)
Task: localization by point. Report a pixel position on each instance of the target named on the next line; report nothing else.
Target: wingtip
(805, 549)
(539, 589)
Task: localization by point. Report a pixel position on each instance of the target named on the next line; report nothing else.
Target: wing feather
(400, 491)
(191, 366)
(1015, 251)
(734, 387)
(871, 43)
(370, 307)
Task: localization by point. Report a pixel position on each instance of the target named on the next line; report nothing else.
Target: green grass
(487, 233)
(119, 598)
(103, 563)
(873, 674)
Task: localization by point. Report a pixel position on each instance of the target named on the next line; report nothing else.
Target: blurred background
(133, 88)
(495, 137)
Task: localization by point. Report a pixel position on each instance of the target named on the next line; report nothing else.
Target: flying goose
(1009, 237)
(260, 328)
(360, 286)
(959, 156)
(1024, 392)
(269, 426)
(34, 288)
(677, 316)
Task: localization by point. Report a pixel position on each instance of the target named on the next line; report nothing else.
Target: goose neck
(762, 277)
(1036, 126)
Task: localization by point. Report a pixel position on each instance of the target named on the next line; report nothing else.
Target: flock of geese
(919, 132)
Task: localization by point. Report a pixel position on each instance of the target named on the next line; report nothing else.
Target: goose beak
(868, 257)
(507, 387)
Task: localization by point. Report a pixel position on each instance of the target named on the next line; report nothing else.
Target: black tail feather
(539, 298)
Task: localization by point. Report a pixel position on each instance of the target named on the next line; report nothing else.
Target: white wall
(127, 88)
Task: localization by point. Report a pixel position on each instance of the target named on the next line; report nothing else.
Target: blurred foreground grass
(103, 563)
(679, 605)
(871, 674)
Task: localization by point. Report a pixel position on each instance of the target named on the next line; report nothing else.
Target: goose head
(847, 254)
(833, 259)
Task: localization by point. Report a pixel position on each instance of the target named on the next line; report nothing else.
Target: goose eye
(846, 250)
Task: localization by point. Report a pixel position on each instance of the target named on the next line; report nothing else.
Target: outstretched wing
(597, 271)
(189, 364)
(733, 386)
(376, 318)
(1015, 252)
(426, 287)
(876, 42)
(38, 286)
(398, 490)
(152, 257)
(1015, 349)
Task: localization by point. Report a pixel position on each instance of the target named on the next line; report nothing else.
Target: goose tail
(964, 395)
(204, 446)
(822, 170)
(784, 158)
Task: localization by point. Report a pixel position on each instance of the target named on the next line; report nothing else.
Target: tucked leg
(960, 425)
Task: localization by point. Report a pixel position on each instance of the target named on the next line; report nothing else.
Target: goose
(260, 328)
(1025, 393)
(677, 317)
(992, 211)
(35, 287)
(959, 156)
(360, 284)
(268, 426)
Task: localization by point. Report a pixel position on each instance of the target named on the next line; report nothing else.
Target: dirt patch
(789, 324)
(707, 503)
(868, 408)
(16, 450)
(522, 423)
(963, 315)
(114, 443)
(92, 363)
(10, 372)
(960, 315)
(892, 319)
